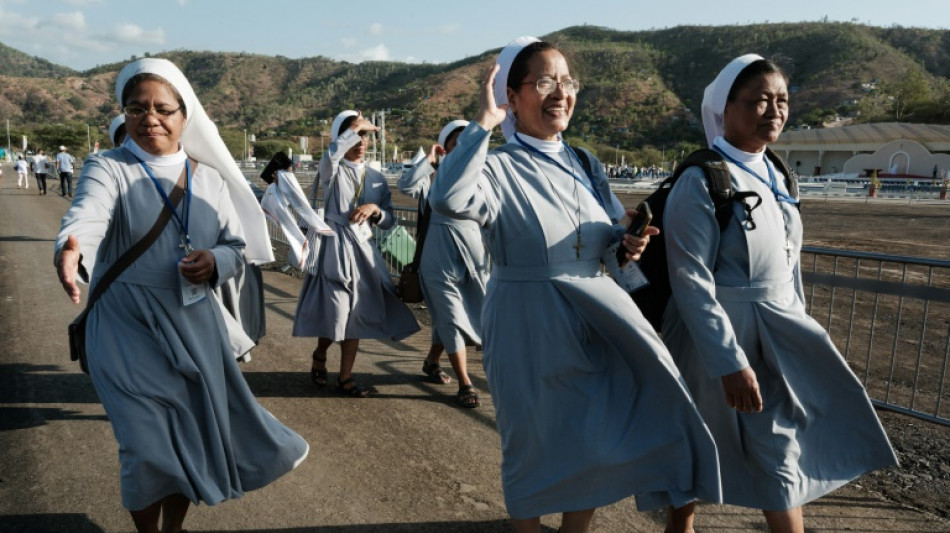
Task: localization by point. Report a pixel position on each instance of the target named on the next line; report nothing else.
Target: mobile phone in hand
(638, 227)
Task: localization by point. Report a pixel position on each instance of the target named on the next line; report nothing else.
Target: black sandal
(435, 373)
(319, 375)
(467, 396)
(355, 390)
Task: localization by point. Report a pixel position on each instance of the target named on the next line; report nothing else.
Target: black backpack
(652, 299)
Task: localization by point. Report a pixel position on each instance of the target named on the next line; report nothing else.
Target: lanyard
(772, 183)
(570, 171)
(182, 219)
(362, 180)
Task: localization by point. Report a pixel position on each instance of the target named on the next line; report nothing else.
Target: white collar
(155, 160)
(541, 145)
(355, 166)
(737, 154)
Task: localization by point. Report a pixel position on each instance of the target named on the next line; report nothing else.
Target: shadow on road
(77, 523)
(49, 523)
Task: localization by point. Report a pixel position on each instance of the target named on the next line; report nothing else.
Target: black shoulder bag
(410, 288)
(77, 329)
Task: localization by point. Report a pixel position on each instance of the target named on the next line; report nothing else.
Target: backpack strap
(718, 180)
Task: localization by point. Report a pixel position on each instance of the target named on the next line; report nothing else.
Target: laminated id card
(629, 276)
(191, 292)
(362, 231)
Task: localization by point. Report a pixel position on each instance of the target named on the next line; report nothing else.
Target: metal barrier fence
(890, 317)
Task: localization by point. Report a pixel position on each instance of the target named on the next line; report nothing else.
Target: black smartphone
(638, 226)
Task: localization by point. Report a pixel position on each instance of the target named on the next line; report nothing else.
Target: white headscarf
(116, 122)
(716, 94)
(201, 141)
(338, 121)
(504, 61)
(449, 128)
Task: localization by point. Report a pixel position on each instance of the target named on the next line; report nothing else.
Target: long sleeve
(330, 162)
(416, 181)
(90, 214)
(386, 217)
(692, 242)
(463, 189)
(229, 249)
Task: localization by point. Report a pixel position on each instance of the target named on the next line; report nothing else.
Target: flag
(24, 143)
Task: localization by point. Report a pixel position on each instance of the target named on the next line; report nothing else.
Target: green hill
(640, 97)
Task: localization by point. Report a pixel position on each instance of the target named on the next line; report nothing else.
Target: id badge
(191, 292)
(629, 276)
(362, 231)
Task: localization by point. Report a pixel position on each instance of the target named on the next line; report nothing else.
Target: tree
(910, 88)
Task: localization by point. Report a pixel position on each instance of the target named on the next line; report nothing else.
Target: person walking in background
(64, 165)
(351, 296)
(160, 354)
(453, 270)
(40, 171)
(20, 166)
(790, 419)
(588, 402)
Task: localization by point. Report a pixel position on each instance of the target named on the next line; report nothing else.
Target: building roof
(865, 137)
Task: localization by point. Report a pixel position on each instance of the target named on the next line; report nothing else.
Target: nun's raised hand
(490, 114)
(67, 267)
(361, 124)
(434, 153)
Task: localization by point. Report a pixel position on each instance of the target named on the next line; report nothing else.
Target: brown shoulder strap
(145, 242)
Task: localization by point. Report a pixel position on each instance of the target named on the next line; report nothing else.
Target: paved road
(405, 460)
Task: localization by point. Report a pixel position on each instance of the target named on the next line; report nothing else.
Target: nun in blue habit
(188, 428)
(588, 403)
(453, 271)
(791, 421)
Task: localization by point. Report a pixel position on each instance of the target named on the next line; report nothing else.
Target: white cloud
(376, 29)
(83, 3)
(128, 33)
(14, 23)
(376, 53)
(74, 22)
(348, 42)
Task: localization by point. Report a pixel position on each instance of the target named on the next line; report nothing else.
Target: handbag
(409, 288)
(77, 328)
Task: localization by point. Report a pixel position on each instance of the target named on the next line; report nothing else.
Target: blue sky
(84, 33)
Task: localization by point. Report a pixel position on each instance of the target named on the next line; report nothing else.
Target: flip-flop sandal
(435, 373)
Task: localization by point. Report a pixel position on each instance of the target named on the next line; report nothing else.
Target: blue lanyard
(182, 219)
(772, 183)
(570, 171)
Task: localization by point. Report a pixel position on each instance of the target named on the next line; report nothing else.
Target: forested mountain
(640, 97)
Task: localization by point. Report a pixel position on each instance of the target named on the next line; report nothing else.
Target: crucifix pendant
(788, 252)
(577, 247)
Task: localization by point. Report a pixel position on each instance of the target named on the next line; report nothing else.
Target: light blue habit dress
(453, 268)
(352, 296)
(185, 420)
(738, 301)
(589, 405)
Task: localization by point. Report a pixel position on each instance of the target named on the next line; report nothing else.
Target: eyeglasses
(547, 86)
(134, 111)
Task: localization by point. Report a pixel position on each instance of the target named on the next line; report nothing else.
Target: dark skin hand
(198, 266)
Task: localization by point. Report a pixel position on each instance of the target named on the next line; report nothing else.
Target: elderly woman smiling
(188, 427)
(575, 371)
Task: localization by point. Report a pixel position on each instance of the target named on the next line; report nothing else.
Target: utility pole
(88, 140)
(244, 157)
(382, 136)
